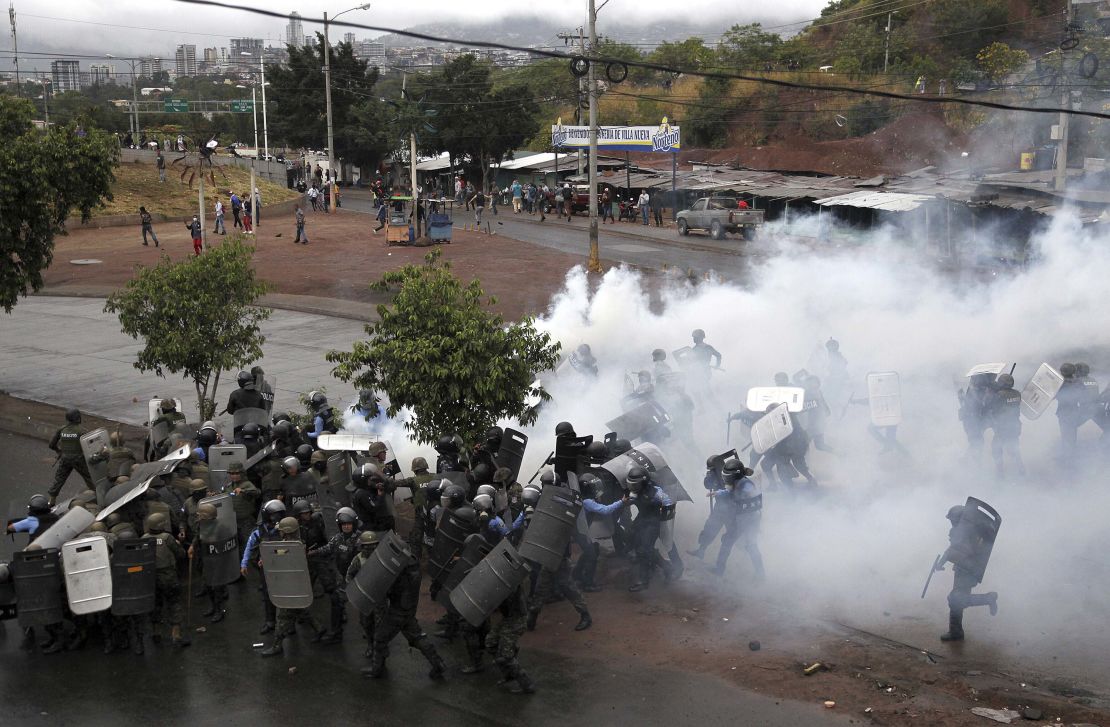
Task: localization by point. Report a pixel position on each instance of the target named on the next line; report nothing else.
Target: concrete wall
(270, 171)
(270, 212)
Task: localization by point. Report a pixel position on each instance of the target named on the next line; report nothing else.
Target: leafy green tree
(440, 352)
(707, 126)
(748, 47)
(44, 175)
(999, 60)
(689, 55)
(197, 317)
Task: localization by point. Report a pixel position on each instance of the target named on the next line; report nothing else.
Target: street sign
(172, 105)
(242, 107)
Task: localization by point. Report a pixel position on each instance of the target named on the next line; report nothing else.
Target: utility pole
(331, 136)
(266, 129)
(45, 103)
(594, 264)
(566, 38)
(1061, 181)
(886, 43)
(15, 49)
(412, 167)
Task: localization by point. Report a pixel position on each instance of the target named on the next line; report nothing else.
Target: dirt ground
(342, 258)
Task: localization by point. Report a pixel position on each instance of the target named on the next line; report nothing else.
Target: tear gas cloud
(862, 543)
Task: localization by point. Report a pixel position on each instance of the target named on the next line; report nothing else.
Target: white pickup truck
(720, 215)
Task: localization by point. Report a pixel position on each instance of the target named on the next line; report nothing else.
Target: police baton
(728, 429)
(541, 467)
(937, 564)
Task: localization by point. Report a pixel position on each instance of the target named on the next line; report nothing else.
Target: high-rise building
(223, 55)
(102, 73)
(149, 66)
(310, 41)
(185, 61)
(349, 38)
(245, 53)
(294, 31)
(375, 50)
(66, 76)
(211, 55)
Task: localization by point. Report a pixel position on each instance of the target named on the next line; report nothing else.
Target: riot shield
(266, 385)
(68, 527)
(162, 430)
(884, 394)
(474, 549)
(88, 575)
(771, 429)
(570, 455)
(7, 593)
(219, 543)
(639, 422)
(260, 455)
(339, 478)
(489, 583)
(511, 453)
(746, 505)
(760, 397)
(378, 574)
(140, 481)
(973, 537)
(301, 486)
(93, 443)
(684, 357)
(134, 576)
(250, 415)
(993, 369)
(37, 575)
(220, 457)
(553, 525)
(285, 568)
(647, 456)
(454, 526)
(1040, 391)
(455, 477)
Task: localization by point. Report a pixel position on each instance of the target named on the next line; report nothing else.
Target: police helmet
(283, 429)
(235, 468)
(658, 355)
(302, 507)
(597, 451)
(273, 510)
(281, 416)
(365, 475)
(304, 453)
(250, 431)
(955, 513)
(245, 380)
(487, 490)
(494, 436)
(530, 496)
(289, 526)
(620, 446)
(206, 511)
(368, 540)
(1005, 381)
(713, 462)
(291, 463)
(318, 400)
(452, 496)
(1082, 369)
(365, 398)
(156, 522)
(547, 478)
(345, 515)
(698, 334)
(447, 445)
(198, 485)
(782, 379)
(636, 478)
(832, 345)
(73, 416)
(38, 504)
(564, 429)
(431, 491)
(482, 503)
(1067, 370)
(419, 464)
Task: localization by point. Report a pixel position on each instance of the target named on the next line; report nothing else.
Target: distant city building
(367, 51)
(294, 31)
(185, 61)
(211, 55)
(149, 66)
(252, 47)
(66, 76)
(102, 73)
(223, 55)
(349, 38)
(310, 41)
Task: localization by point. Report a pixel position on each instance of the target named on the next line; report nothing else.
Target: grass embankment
(137, 185)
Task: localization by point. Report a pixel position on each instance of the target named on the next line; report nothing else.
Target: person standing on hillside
(147, 223)
(196, 233)
(160, 162)
(236, 208)
(220, 229)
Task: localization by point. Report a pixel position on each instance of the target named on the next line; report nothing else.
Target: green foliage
(43, 177)
(197, 317)
(748, 47)
(689, 55)
(708, 124)
(440, 352)
(999, 60)
(962, 27)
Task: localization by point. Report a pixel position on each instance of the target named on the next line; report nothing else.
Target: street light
(265, 127)
(134, 94)
(327, 96)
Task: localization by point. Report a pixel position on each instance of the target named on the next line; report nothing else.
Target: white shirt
(644, 199)
(219, 207)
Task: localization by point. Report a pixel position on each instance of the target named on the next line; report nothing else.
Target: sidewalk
(68, 352)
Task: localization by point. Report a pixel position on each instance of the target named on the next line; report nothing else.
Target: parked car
(719, 216)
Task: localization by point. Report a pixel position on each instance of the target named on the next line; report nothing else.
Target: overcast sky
(167, 23)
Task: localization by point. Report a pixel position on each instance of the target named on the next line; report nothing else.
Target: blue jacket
(256, 536)
(596, 508)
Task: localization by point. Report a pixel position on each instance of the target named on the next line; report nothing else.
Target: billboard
(661, 138)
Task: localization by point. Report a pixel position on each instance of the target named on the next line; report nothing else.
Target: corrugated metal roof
(888, 201)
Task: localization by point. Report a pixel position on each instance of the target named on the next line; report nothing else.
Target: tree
(748, 47)
(999, 60)
(197, 317)
(438, 351)
(687, 55)
(44, 175)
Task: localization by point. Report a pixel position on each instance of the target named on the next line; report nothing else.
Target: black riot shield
(68, 527)
(339, 477)
(553, 525)
(219, 543)
(92, 445)
(368, 590)
(644, 421)
(133, 576)
(973, 537)
(38, 587)
(260, 455)
(7, 593)
(250, 415)
(474, 549)
(489, 583)
(285, 567)
(511, 453)
(302, 486)
(648, 456)
(220, 457)
(451, 533)
(570, 455)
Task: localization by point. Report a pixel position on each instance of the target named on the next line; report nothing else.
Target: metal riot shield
(162, 430)
(219, 541)
(378, 574)
(68, 527)
(884, 394)
(760, 397)
(973, 537)
(37, 575)
(140, 481)
(93, 443)
(684, 357)
(771, 429)
(647, 456)
(285, 567)
(134, 576)
(454, 526)
(489, 583)
(994, 369)
(474, 549)
(638, 422)
(511, 453)
(220, 457)
(339, 478)
(7, 593)
(250, 415)
(570, 455)
(88, 575)
(260, 455)
(1040, 391)
(553, 525)
(301, 486)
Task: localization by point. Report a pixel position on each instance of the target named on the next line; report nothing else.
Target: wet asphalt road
(220, 680)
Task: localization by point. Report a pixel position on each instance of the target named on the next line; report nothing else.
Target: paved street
(69, 352)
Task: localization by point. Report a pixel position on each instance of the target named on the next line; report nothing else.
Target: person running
(196, 233)
(147, 223)
(479, 202)
(383, 210)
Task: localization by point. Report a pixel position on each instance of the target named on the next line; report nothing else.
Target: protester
(146, 221)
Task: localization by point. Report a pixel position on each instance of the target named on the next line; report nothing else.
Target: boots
(955, 628)
(474, 652)
(376, 670)
(584, 622)
(135, 636)
(212, 605)
(433, 657)
(524, 683)
(179, 641)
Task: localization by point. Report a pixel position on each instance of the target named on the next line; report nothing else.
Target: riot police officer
(369, 498)
(962, 544)
(650, 502)
(366, 544)
(366, 408)
(448, 450)
(323, 421)
(740, 505)
(168, 554)
(67, 443)
(1003, 413)
(246, 396)
(272, 512)
(39, 518)
(399, 616)
(593, 494)
(287, 618)
(713, 481)
(342, 548)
